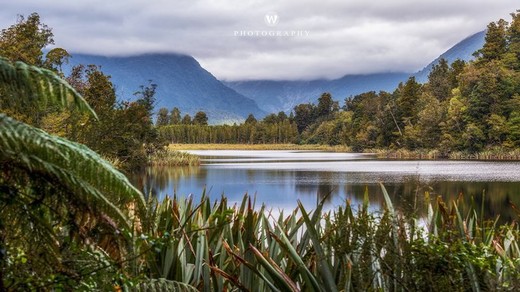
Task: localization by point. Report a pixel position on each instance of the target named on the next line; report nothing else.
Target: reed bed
(491, 154)
(227, 247)
(168, 157)
(304, 147)
(407, 154)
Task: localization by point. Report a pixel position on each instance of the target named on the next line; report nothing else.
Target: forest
(70, 220)
(464, 107)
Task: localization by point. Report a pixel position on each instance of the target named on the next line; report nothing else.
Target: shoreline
(306, 147)
(422, 154)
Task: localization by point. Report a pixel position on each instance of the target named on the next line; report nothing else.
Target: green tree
(282, 116)
(146, 97)
(474, 138)
(513, 123)
(99, 92)
(124, 131)
(175, 116)
(512, 57)
(367, 119)
(140, 117)
(250, 119)
(495, 45)
(270, 119)
(514, 128)
(200, 118)
(497, 129)
(49, 185)
(162, 117)
(25, 40)
(408, 94)
(454, 123)
(55, 59)
(304, 115)
(481, 87)
(186, 120)
(439, 80)
(325, 105)
(456, 68)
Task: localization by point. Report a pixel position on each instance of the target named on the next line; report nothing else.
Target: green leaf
(92, 180)
(34, 85)
(323, 266)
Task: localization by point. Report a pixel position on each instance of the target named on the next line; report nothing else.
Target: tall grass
(305, 147)
(218, 247)
(490, 154)
(168, 157)
(407, 154)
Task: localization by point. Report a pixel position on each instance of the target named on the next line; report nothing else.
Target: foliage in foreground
(119, 130)
(60, 202)
(217, 247)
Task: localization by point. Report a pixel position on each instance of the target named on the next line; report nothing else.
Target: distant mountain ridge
(181, 82)
(274, 96)
(463, 50)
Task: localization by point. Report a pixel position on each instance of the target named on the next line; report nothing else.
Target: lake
(280, 178)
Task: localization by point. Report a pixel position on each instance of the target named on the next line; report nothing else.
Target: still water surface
(280, 178)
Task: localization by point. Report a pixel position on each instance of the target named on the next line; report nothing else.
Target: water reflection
(410, 195)
(157, 181)
(279, 179)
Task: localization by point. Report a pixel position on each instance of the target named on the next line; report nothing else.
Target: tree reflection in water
(278, 185)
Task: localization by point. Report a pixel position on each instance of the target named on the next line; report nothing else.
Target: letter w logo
(271, 19)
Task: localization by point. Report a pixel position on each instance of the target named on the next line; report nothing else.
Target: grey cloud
(345, 37)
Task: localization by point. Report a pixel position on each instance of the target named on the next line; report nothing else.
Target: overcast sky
(303, 39)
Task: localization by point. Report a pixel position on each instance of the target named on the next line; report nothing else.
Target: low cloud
(340, 37)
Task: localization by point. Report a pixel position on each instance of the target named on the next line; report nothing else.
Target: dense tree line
(463, 107)
(123, 131)
(271, 130)
(174, 118)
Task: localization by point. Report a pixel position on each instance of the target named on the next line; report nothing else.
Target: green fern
(32, 85)
(68, 177)
(78, 169)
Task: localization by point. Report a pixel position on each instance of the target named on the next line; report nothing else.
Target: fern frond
(92, 180)
(35, 86)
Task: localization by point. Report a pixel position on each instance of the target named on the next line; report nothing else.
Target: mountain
(463, 50)
(181, 82)
(274, 96)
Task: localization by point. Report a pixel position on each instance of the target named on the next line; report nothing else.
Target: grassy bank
(492, 154)
(169, 157)
(312, 147)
